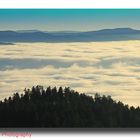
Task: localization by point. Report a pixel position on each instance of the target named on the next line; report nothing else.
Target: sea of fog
(110, 68)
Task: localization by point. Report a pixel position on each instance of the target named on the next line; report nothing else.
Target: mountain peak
(42, 36)
(27, 31)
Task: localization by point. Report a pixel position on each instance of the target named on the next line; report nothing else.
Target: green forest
(65, 108)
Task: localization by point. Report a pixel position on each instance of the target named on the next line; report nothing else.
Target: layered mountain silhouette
(116, 34)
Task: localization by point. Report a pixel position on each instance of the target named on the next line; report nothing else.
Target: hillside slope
(60, 107)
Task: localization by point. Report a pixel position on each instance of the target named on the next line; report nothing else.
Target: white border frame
(69, 4)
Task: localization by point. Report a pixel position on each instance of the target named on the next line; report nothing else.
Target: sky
(68, 19)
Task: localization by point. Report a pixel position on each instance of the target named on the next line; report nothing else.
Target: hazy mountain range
(116, 34)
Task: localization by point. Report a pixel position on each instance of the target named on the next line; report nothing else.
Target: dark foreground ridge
(60, 107)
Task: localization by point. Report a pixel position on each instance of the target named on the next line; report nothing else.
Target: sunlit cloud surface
(110, 68)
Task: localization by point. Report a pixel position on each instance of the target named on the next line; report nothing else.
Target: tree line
(64, 107)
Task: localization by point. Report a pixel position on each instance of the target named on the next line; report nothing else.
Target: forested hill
(60, 107)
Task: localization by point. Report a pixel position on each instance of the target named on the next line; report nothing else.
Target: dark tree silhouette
(60, 107)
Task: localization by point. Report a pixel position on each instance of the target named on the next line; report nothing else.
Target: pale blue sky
(68, 19)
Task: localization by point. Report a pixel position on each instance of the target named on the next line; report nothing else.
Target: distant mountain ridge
(6, 43)
(116, 34)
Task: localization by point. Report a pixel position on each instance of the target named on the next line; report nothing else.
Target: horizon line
(35, 30)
